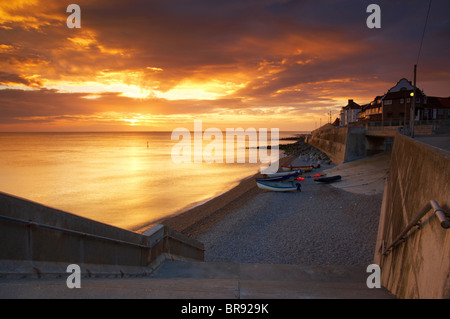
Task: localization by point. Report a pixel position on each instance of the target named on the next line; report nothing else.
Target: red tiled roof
(352, 105)
(438, 102)
(445, 101)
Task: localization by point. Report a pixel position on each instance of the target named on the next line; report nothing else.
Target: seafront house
(371, 112)
(349, 113)
(394, 107)
(438, 108)
(397, 103)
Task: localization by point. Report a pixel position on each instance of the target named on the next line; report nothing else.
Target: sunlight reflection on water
(115, 178)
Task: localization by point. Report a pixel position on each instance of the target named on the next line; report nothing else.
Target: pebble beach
(321, 225)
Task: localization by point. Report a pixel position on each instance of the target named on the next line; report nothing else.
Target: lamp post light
(413, 104)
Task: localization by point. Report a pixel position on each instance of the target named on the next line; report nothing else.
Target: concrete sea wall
(331, 141)
(39, 240)
(419, 267)
(341, 144)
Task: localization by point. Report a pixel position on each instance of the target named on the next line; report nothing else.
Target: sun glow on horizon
(131, 121)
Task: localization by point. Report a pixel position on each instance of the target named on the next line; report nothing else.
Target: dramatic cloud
(160, 64)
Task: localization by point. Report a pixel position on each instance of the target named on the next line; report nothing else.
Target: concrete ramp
(200, 280)
(364, 176)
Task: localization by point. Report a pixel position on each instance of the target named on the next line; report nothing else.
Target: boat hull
(327, 180)
(278, 178)
(279, 186)
(294, 168)
(281, 174)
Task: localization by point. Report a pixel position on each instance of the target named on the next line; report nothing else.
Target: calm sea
(123, 179)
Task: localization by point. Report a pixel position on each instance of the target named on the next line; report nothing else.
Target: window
(402, 101)
(441, 111)
(387, 102)
(408, 100)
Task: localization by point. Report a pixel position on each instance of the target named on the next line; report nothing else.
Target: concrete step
(199, 280)
(266, 272)
(280, 280)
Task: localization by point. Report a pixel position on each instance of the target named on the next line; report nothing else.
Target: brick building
(394, 107)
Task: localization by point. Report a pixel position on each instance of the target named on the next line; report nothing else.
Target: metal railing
(434, 125)
(416, 222)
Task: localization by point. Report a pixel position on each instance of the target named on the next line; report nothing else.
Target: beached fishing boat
(287, 176)
(294, 168)
(327, 180)
(302, 177)
(279, 186)
(282, 173)
(277, 178)
(282, 177)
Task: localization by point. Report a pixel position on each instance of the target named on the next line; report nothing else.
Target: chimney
(350, 101)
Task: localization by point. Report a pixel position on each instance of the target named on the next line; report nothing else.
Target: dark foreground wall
(420, 266)
(39, 240)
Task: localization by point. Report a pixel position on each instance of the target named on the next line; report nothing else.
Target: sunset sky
(158, 65)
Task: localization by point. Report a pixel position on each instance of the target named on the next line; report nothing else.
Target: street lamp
(413, 104)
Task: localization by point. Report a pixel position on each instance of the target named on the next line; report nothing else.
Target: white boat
(279, 186)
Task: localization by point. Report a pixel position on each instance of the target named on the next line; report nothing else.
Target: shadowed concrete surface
(199, 280)
(441, 141)
(365, 176)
